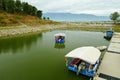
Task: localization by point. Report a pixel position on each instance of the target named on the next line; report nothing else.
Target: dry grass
(7, 19)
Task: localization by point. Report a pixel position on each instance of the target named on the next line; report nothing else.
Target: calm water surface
(37, 57)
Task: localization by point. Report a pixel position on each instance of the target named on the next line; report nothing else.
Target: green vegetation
(18, 7)
(115, 17)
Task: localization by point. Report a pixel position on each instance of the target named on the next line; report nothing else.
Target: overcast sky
(96, 7)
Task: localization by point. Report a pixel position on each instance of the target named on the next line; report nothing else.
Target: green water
(37, 57)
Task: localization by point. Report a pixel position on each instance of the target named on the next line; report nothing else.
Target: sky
(95, 7)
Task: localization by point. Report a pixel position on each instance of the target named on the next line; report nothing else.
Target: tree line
(16, 6)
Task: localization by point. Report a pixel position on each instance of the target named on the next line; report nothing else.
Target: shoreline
(26, 29)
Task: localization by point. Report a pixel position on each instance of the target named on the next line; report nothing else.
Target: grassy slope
(7, 19)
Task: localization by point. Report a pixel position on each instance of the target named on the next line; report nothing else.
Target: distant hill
(75, 17)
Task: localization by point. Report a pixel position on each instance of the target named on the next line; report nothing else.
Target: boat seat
(75, 61)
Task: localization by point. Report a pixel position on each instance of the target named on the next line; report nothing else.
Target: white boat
(83, 60)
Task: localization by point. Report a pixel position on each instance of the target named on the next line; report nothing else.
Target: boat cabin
(83, 60)
(59, 38)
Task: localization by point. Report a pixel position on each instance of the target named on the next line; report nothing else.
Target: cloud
(97, 7)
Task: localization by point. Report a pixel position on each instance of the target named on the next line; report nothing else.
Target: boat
(109, 34)
(83, 60)
(59, 38)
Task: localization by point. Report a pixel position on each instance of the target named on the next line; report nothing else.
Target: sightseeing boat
(83, 60)
(59, 38)
(109, 34)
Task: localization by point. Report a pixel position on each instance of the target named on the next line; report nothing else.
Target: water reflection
(59, 45)
(18, 43)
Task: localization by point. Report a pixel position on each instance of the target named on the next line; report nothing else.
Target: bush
(18, 17)
(13, 20)
(1, 17)
(4, 22)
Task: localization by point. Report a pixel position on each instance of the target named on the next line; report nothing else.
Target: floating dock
(109, 68)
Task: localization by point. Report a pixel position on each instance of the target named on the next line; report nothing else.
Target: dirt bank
(23, 29)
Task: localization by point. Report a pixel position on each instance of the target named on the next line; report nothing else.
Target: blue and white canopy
(89, 54)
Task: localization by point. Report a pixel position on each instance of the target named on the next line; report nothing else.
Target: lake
(37, 57)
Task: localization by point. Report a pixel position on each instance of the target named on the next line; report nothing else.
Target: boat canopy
(60, 34)
(89, 54)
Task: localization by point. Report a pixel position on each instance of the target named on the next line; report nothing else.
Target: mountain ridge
(75, 17)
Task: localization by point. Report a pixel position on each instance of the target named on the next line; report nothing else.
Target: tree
(44, 18)
(48, 18)
(25, 7)
(3, 5)
(39, 14)
(15, 6)
(34, 11)
(0, 4)
(18, 6)
(28, 9)
(10, 6)
(114, 16)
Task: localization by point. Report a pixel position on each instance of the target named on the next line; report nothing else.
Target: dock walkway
(109, 68)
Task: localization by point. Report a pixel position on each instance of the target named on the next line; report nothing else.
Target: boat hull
(85, 72)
